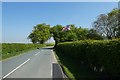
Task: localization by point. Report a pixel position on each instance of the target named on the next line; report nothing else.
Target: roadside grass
(0, 51)
(50, 44)
(65, 69)
(10, 54)
(75, 70)
(68, 73)
(16, 53)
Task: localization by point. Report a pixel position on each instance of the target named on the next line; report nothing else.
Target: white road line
(51, 70)
(54, 58)
(16, 68)
(61, 71)
(37, 53)
(55, 61)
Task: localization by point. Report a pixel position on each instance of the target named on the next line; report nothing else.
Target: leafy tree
(71, 35)
(55, 31)
(67, 36)
(40, 33)
(114, 16)
(101, 25)
(81, 33)
(33, 36)
(92, 34)
(62, 36)
(108, 24)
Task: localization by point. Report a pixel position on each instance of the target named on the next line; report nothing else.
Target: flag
(66, 28)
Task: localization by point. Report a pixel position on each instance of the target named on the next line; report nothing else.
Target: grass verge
(17, 54)
(7, 53)
(65, 69)
(50, 44)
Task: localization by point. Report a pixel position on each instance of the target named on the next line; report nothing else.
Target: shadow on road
(57, 73)
(48, 48)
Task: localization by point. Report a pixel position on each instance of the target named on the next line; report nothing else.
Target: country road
(39, 63)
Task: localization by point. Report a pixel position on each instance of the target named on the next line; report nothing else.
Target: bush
(101, 55)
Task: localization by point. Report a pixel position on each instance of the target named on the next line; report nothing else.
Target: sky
(18, 18)
(60, 0)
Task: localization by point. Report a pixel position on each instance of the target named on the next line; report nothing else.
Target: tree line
(106, 26)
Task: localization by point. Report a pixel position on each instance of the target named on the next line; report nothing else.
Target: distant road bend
(40, 63)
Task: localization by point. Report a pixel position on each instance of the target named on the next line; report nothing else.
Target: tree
(73, 34)
(92, 34)
(40, 33)
(60, 35)
(107, 24)
(81, 33)
(55, 31)
(33, 37)
(101, 25)
(114, 17)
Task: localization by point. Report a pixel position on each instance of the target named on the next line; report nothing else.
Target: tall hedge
(104, 54)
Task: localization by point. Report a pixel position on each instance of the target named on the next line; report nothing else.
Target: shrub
(100, 54)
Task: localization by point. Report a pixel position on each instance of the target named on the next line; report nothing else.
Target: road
(33, 64)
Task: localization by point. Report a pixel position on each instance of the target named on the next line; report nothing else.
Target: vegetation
(40, 34)
(75, 70)
(83, 53)
(108, 24)
(65, 69)
(0, 51)
(101, 56)
(74, 34)
(86, 49)
(105, 27)
(49, 44)
(13, 49)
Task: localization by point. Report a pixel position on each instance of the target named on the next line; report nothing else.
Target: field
(13, 49)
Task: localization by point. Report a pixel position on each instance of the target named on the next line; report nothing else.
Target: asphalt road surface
(39, 63)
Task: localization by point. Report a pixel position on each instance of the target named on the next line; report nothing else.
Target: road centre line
(16, 68)
(37, 53)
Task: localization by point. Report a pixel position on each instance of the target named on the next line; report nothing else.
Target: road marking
(54, 58)
(61, 71)
(55, 61)
(16, 68)
(51, 70)
(37, 53)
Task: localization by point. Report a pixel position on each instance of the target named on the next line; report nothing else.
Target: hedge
(101, 55)
(12, 49)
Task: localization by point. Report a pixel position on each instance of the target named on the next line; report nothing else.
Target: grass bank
(14, 49)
